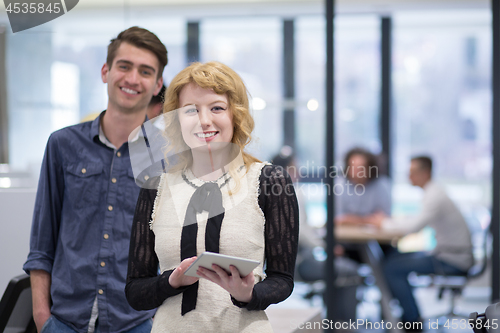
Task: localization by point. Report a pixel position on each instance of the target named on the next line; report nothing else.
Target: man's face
(132, 79)
(418, 176)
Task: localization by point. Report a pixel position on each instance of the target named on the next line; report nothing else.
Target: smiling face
(204, 116)
(132, 79)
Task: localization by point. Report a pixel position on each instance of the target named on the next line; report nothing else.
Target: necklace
(225, 175)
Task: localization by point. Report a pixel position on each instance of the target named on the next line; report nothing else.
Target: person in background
(155, 107)
(86, 198)
(366, 193)
(312, 245)
(453, 252)
(309, 236)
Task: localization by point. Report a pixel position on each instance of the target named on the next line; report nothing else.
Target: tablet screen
(206, 259)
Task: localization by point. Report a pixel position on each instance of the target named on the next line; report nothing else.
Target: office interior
(429, 91)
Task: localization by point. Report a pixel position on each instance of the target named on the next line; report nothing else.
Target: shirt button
(118, 154)
(84, 170)
(101, 291)
(146, 177)
(110, 208)
(106, 236)
(113, 180)
(103, 264)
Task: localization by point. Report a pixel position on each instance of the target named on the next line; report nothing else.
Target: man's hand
(40, 290)
(351, 219)
(241, 288)
(178, 279)
(376, 219)
(346, 219)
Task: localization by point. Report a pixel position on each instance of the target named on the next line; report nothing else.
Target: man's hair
(140, 38)
(425, 162)
(371, 161)
(160, 98)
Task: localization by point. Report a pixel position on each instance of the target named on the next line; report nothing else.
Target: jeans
(53, 325)
(396, 270)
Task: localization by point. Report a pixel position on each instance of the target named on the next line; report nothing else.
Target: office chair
(486, 322)
(456, 283)
(311, 271)
(15, 307)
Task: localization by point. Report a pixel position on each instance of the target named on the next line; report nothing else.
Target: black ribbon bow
(208, 198)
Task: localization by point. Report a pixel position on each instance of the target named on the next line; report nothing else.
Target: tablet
(206, 259)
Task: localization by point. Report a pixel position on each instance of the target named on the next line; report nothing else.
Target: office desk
(364, 234)
(369, 238)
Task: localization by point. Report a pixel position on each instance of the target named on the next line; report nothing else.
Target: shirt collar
(104, 139)
(428, 185)
(97, 131)
(96, 124)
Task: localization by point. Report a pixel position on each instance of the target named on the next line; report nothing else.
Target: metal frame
(4, 117)
(193, 42)
(289, 82)
(495, 203)
(330, 161)
(385, 90)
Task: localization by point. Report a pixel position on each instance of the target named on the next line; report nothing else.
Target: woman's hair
(371, 162)
(222, 80)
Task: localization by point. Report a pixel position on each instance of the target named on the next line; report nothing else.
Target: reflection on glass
(252, 46)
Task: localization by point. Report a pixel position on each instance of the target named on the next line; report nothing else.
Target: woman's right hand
(178, 279)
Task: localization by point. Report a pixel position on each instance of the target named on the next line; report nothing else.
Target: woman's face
(204, 116)
(358, 166)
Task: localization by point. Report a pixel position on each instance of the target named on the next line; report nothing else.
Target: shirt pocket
(83, 184)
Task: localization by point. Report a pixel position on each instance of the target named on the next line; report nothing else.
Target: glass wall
(441, 89)
(442, 105)
(252, 46)
(357, 84)
(54, 78)
(441, 85)
(357, 77)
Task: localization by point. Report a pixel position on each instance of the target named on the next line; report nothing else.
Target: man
(453, 252)
(86, 200)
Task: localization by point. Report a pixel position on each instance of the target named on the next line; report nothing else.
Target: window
(252, 46)
(54, 77)
(357, 68)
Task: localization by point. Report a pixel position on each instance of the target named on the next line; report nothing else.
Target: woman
(215, 198)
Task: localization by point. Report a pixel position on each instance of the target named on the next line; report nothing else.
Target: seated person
(366, 193)
(453, 252)
(309, 236)
(309, 267)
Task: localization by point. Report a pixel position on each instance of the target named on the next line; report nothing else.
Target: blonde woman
(215, 198)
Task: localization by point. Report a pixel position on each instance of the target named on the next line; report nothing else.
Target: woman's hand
(178, 279)
(241, 288)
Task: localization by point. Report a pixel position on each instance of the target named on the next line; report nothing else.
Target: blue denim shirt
(81, 228)
(364, 199)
